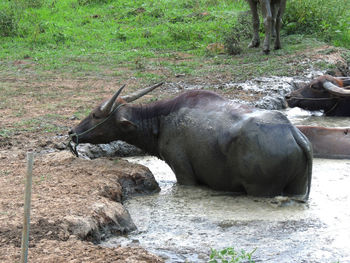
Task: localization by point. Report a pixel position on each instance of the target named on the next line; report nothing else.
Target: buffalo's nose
(287, 97)
(72, 135)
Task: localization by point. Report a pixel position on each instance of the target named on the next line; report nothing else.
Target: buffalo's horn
(343, 78)
(334, 89)
(107, 106)
(134, 96)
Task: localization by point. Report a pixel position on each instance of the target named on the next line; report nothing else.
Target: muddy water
(182, 223)
(303, 117)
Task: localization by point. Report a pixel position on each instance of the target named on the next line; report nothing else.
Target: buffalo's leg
(297, 189)
(279, 23)
(274, 11)
(256, 23)
(184, 173)
(180, 165)
(266, 11)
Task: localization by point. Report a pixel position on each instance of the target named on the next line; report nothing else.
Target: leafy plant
(230, 255)
(240, 31)
(8, 23)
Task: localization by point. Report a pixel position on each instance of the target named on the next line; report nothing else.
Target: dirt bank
(75, 203)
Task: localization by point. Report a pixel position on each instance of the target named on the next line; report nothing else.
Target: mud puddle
(183, 223)
(302, 117)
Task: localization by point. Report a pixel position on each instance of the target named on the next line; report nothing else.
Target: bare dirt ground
(75, 202)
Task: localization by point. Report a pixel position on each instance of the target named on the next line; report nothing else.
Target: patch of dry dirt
(76, 251)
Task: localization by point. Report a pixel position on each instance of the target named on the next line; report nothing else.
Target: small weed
(5, 173)
(139, 64)
(82, 113)
(6, 133)
(45, 177)
(42, 178)
(230, 255)
(153, 99)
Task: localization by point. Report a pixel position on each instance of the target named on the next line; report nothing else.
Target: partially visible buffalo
(209, 140)
(327, 93)
(331, 143)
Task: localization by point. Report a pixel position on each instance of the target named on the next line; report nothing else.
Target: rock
(116, 148)
(113, 218)
(271, 103)
(79, 226)
(140, 181)
(107, 218)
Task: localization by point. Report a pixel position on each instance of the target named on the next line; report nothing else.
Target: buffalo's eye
(316, 87)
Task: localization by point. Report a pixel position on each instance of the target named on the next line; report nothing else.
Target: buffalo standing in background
(272, 11)
(209, 140)
(327, 93)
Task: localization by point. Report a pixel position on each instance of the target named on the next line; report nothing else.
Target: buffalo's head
(322, 93)
(105, 123)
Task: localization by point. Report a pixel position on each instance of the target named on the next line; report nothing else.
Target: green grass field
(114, 31)
(80, 35)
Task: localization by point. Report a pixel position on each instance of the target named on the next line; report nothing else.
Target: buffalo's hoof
(266, 51)
(254, 43)
(276, 47)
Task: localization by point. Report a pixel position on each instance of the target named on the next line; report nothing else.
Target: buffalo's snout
(291, 100)
(72, 135)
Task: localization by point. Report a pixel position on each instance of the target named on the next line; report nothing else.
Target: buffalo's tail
(305, 145)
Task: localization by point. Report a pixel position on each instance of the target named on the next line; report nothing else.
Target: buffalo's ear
(127, 125)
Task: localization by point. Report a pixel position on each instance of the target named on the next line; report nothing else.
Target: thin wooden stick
(27, 199)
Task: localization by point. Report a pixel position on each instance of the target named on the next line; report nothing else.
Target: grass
(43, 124)
(329, 20)
(230, 255)
(6, 133)
(82, 36)
(62, 34)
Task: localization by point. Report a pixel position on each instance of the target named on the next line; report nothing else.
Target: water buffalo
(209, 140)
(333, 143)
(272, 11)
(327, 93)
